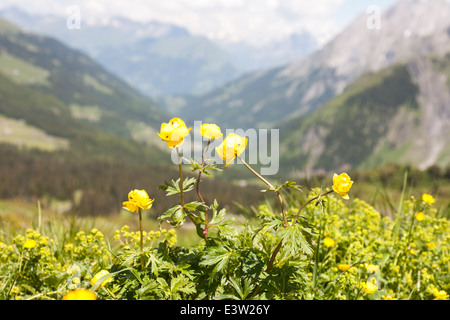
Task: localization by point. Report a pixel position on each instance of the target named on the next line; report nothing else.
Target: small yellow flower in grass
(388, 297)
(328, 242)
(370, 287)
(30, 244)
(80, 294)
(440, 295)
(427, 198)
(210, 131)
(342, 184)
(137, 199)
(420, 216)
(174, 132)
(233, 145)
(97, 277)
(344, 267)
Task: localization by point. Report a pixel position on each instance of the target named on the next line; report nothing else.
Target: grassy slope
(352, 123)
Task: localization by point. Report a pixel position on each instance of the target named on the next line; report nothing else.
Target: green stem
(181, 190)
(272, 188)
(198, 189)
(308, 202)
(181, 178)
(142, 241)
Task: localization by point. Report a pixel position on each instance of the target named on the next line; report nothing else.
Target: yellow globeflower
(370, 287)
(80, 294)
(344, 267)
(440, 295)
(137, 199)
(328, 242)
(233, 145)
(174, 132)
(98, 276)
(427, 198)
(420, 216)
(210, 131)
(342, 184)
(30, 244)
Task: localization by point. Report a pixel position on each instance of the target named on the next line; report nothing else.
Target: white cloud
(254, 21)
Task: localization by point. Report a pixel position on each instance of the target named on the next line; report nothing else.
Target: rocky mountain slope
(400, 114)
(265, 99)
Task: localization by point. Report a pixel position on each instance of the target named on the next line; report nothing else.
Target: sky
(251, 21)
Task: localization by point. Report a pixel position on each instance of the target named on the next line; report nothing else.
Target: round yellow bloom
(370, 287)
(328, 242)
(233, 145)
(137, 199)
(420, 216)
(440, 295)
(210, 131)
(80, 294)
(30, 244)
(388, 297)
(97, 277)
(427, 198)
(344, 267)
(174, 132)
(342, 184)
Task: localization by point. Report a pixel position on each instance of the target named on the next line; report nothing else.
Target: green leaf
(294, 240)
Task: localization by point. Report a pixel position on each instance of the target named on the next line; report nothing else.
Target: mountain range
(371, 96)
(72, 131)
(332, 107)
(161, 59)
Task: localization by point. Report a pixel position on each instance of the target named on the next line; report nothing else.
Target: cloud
(254, 21)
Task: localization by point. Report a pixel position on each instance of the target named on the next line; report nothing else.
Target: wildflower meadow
(314, 244)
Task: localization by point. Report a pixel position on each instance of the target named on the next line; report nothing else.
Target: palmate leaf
(205, 170)
(295, 240)
(173, 187)
(217, 256)
(175, 216)
(218, 215)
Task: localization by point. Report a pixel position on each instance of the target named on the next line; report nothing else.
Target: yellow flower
(30, 244)
(440, 295)
(342, 184)
(233, 145)
(210, 131)
(137, 199)
(388, 297)
(328, 242)
(98, 276)
(370, 286)
(427, 198)
(420, 216)
(344, 267)
(174, 132)
(80, 294)
(431, 245)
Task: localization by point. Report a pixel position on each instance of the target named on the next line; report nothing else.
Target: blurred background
(355, 86)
